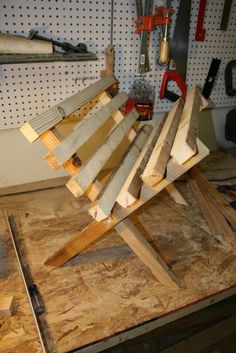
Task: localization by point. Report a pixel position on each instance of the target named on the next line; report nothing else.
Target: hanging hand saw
(177, 68)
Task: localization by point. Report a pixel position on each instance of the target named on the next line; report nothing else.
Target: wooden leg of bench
(176, 195)
(132, 236)
(96, 230)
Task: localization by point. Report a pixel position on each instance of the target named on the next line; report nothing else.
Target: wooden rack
(154, 157)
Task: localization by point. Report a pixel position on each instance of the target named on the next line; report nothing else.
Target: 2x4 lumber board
(96, 230)
(83, 132)
(215, 219)
(132, 236)
(176, 195)
(47, 120)
(105, 98)
(224, 207)
(184, 145)
(88, 172)
(102, 209)
(7, 305)
(51, 139)
(206, 338)
(156, 166)
(131, 188)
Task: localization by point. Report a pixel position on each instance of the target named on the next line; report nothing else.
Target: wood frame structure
(145, 169)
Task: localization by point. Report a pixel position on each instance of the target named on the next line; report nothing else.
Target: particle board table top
(103, 295)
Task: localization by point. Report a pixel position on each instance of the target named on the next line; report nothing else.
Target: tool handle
(176, 77)
(36, 299)
(200, 31)
(164, 52)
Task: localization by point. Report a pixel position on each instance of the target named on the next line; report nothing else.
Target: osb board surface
(18, 332)
(107, 289)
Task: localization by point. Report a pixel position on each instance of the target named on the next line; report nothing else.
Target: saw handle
(164, 52)
(176, 77)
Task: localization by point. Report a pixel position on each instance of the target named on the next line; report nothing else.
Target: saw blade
(179, 48)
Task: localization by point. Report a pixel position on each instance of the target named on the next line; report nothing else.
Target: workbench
(105, 295)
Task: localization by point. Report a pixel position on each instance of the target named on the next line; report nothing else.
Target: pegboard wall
(29, 89)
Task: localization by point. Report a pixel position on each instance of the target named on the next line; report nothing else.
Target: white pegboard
(29, 89)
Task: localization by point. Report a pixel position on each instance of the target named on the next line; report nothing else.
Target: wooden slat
(184, 145)
(51, 139)
(132, 236)
(131, 188)
(88, 172)
(106, 201)
(105, 98)
(176, 195)
(156, 166)
(47, 120)
(217, 199)
(83, 132)
(215, 219)
(96, 230)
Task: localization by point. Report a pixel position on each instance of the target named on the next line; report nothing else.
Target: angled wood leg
(176, 195)
(96, 230)
(140, 246)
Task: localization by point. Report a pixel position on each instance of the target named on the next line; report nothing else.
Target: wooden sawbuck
(154, 157)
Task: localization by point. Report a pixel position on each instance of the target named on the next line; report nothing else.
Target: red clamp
(176, 77)
(162, 16)
(200, 31)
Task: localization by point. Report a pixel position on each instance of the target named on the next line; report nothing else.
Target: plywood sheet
(107, 289)
(17, 332)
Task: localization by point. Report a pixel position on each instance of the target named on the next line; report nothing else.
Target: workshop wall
(29, 89)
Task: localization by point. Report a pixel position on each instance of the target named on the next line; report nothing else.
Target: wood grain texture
(51, 139)
(215, 219)
(105, 98)
(18, 332)
(106, 295)
(156, 166)
(84, 131)
(224, 207)
(88, 172)
(7, 304)
(185, 145)
(96, 230)
(47, 120)
(176, 195)
(132, 236)
(107, 199)
(131, 188)
(109, 61)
